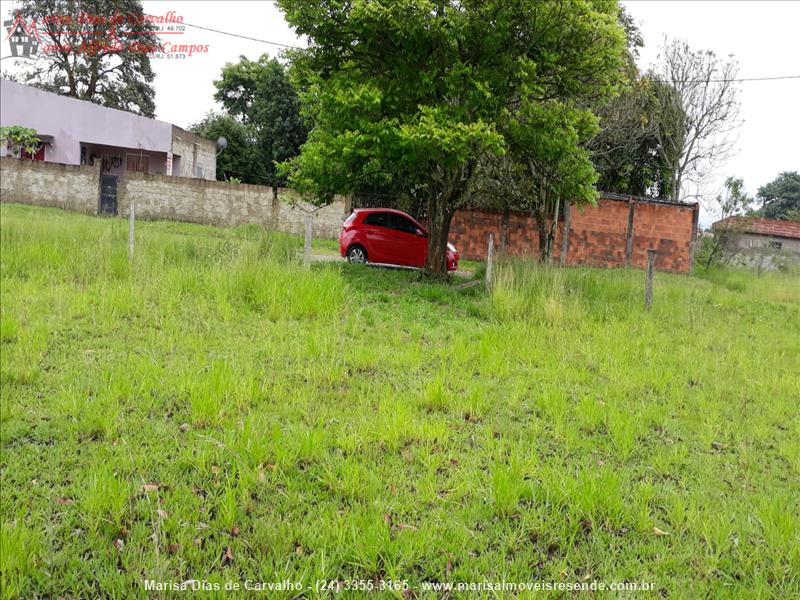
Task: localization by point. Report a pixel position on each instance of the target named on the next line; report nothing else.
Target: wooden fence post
(648, 285)
(131, 228)
(489, 260)
(307, 246)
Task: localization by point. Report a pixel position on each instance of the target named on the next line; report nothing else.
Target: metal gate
(108, 194)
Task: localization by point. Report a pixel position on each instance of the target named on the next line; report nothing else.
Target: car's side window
(378, 219)
(401, 223)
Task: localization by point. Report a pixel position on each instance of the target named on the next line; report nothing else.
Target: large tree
(547, 163)
(780, 198)
(261, 98)
(541, 174)
(700, 104)
(410, 95)
(629, 151)
(95, 50)
(239, 159)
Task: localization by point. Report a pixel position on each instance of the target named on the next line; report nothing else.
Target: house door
(108, 194)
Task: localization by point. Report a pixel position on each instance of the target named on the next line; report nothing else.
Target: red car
(387, 236)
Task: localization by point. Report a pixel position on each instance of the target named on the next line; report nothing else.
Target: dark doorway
(108, 194)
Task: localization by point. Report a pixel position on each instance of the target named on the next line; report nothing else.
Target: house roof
(772, 227)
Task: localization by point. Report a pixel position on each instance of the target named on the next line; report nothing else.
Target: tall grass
(216, 399)
(529, 291)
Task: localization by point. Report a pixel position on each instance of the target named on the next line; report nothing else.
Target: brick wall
(616, 232)
(71, 187)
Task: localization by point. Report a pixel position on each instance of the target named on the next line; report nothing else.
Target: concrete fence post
(489, 260)
(648, 285)
(307, 246)
(131, 227)
(562, 257)
(630, 233)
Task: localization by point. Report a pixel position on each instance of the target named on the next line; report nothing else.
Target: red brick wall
(598, 234)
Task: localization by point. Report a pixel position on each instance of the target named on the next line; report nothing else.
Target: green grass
(216, 399)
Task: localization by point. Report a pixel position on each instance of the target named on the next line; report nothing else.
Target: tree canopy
(101, 61)
(262, 102)
(780, 198)
(410, 95)
(634, 151)
(238, 159)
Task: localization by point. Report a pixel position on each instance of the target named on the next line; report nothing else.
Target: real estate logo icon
(22, 37)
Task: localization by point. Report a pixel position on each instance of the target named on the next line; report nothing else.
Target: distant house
(76, 132)
(759, 239)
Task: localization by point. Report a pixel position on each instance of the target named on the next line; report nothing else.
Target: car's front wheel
(356, 255)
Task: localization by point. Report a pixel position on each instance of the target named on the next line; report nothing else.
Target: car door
(379, 237)
(411, 244)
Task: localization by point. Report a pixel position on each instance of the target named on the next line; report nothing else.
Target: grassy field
(216, 411)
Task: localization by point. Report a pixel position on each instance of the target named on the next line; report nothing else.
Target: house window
(38, 155)
(775, 245)
(137, 163)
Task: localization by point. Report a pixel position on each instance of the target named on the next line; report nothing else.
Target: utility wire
(244, 37)
(732, 80)
(252, 39)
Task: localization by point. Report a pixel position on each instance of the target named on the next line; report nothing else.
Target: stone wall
(228, 204)
(617, 232)
(71, 187)
(77, 188)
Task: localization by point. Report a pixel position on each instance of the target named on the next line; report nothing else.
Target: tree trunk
(439, 217)
(551, 232)
(504, 230)
(275, 209)
(676, 189)
(540, 216)
(541, 227)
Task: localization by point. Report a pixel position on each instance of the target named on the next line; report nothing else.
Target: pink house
(76, 132)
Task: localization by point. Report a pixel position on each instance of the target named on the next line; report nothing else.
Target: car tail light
(348, 222)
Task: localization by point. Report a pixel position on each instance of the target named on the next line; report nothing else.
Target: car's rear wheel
(356, 255)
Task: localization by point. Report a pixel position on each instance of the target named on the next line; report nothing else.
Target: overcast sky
(762, 35)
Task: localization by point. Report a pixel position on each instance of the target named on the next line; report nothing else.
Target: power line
(244, 37)
(732, 80)
(252, 39)
(262, 41)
